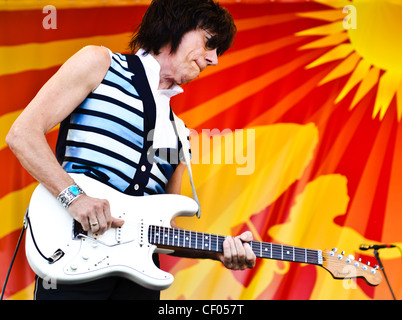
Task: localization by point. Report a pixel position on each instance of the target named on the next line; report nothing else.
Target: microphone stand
(377, 256)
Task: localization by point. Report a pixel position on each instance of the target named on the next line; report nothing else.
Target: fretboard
(178, 238)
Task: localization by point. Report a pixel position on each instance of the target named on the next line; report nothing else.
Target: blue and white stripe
(106, 138)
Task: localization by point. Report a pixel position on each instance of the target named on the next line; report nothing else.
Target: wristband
(69, 194)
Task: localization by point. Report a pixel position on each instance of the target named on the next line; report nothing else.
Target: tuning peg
(360, 260)
(334, 249)
(368, 263)
(343, 253)
(376, 267)
(351, 257)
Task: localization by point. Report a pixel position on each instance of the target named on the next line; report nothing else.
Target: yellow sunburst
(370, 52)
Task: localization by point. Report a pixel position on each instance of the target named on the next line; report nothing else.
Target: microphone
(365, 247)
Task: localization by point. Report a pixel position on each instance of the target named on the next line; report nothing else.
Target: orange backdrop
(314, 102)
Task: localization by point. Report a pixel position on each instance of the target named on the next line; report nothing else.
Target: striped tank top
(109, 136)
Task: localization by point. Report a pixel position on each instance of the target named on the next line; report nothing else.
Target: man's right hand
(94, 214)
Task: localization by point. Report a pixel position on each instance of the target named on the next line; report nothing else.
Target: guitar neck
(178, 238)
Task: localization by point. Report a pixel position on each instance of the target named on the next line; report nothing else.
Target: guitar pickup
(127, 232)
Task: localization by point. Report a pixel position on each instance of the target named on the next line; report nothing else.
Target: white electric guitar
(57, 248)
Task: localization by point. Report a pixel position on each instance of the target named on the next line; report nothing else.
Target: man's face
(192, 57)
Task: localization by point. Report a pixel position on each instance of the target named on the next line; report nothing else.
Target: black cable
(56, 256)
(12, 262)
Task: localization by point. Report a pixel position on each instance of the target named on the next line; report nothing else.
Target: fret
(185, 238)
(174, 237)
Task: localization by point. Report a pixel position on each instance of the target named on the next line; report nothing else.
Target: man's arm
(69, 86)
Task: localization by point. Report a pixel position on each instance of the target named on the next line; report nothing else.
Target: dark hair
(166, 21)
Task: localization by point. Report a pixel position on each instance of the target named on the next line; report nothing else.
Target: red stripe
(27, 26)
(17, 90)
(245, 10)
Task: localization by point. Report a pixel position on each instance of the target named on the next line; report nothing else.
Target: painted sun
(369, 53)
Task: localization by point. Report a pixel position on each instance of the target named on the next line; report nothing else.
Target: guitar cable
(56, 256)
(13, 258)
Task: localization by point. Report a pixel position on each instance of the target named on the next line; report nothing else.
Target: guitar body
(123, 251)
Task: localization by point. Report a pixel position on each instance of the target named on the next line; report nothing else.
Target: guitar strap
(180, 127)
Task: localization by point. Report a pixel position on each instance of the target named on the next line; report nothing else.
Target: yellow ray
(345, 67)
(366, 85)
(388, 85)
(53, 53)
(399, 101)
(326, 15)
(326, 29)
(333, 3)
(12, 209)
(261, 21)
(331, 40)
(339, 52)
(358, 75)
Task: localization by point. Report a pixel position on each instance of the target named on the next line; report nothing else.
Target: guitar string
(207, 241)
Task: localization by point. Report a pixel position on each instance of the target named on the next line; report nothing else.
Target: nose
(211, 57)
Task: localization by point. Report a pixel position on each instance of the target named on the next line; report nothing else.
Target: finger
(102, 224)
(103, 216)
(228, 247)
(241, 254)
(95, 219)
(117, 222)
(246, 236)
(250, 256)
(93, 224)
(107, 214)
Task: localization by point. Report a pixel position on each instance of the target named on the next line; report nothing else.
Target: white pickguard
(123, 251)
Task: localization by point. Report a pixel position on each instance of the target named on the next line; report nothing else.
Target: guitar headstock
(346, 267)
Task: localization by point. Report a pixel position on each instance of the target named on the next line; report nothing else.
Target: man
(109, 105)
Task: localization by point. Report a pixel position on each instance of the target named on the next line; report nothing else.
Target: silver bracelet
(69, 194)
